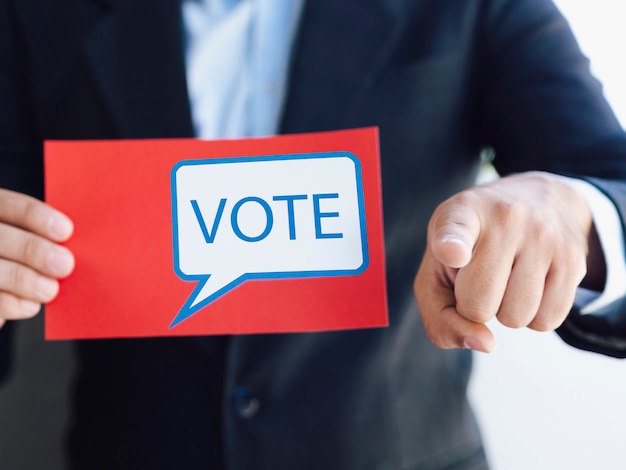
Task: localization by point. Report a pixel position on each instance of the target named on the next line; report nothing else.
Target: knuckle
(574, 252)
(551, 317)
(456, 206)
(463, 198)
(575, 271)
(29, 249)
(441, 341)
(16, 277)
(508, 214)
(512, 321)
(16, 280)
(545, 232)
(569, 271)
(451, 215)
(8, 306)
(545, 323)
(31, 208)
(11, 308)
(475, 313)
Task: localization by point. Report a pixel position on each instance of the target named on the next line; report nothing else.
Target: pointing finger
(444, 325)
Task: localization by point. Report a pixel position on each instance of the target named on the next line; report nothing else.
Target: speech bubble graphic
(266, 217)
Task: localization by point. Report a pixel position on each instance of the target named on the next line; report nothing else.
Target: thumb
(454, 231)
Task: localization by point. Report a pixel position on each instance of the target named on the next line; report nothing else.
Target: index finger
(33, 215)
(444, 325)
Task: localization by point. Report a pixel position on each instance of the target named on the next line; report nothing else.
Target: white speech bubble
(267, 217)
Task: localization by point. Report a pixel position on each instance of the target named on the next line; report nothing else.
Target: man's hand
(515, 249)
(31, 260)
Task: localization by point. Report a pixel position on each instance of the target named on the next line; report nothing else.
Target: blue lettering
(268, 214)
(318, 215)
(209, 237)
(290, 211)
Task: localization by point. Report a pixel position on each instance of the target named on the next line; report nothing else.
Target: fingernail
(454, 239)
(60, 227)
(29, 307)
(474, 344)
(60, 262)
(47, 289)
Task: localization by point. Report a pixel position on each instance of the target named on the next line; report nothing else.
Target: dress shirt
(237, 54)
(237, 58)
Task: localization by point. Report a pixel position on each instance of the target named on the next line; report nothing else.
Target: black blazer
(443, 79)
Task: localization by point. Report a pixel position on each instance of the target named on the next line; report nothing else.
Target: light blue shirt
(237, 59)
(237, 62)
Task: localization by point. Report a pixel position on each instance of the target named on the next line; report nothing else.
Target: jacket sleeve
(604, 330)
(541, 109)
(21, 167)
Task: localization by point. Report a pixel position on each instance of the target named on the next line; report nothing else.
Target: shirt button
(245, 403)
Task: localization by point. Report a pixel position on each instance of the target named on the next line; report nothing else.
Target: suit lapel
(340, 47)
(141, 76)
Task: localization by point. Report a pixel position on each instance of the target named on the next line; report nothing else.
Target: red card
(188, 237)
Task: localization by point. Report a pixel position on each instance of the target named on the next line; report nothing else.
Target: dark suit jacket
(442, 79)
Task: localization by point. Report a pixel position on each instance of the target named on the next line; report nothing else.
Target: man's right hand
(31, 259)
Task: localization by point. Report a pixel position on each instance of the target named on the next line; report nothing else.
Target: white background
(543, 405)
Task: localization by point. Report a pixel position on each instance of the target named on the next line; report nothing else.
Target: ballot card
(177, 237)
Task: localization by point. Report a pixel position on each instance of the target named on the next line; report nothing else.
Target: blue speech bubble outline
(187, 310)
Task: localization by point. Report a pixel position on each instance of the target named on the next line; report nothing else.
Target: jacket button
(245, 403)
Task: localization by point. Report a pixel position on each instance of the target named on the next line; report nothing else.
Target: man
(443, 80)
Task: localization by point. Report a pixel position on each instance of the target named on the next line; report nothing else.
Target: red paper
(188, 237)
